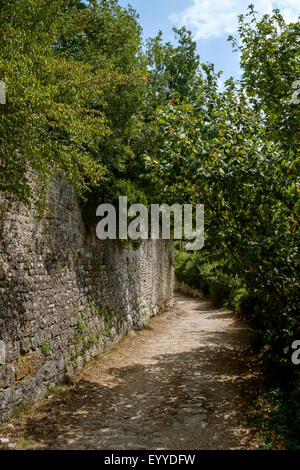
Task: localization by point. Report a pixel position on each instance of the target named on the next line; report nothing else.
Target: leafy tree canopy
(174, 69)
(75, 82)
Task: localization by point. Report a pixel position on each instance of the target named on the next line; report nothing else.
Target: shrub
(210, 275)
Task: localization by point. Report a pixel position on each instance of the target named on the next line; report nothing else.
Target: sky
(211, 22)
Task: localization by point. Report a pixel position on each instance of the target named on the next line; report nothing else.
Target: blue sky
(211, 21)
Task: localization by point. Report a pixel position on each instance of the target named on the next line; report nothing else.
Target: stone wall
(66, 296)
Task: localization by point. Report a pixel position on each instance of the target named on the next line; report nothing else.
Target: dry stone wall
(66, 296)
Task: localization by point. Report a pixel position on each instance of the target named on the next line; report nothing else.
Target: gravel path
(174, 385)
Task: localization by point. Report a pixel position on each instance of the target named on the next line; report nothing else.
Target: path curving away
(174, 385)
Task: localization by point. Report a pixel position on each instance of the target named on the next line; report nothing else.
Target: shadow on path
(175, 385)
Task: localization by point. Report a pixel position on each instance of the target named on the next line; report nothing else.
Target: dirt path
(175, 385)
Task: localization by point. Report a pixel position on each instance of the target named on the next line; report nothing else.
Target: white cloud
(212, 18)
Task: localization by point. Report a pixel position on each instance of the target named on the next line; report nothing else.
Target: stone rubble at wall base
(66, 296)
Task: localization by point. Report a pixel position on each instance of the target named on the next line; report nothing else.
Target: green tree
(270, 60)
(174, 69)
(108, 37)
(76, 84)
(48, 124)
(216, 151)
